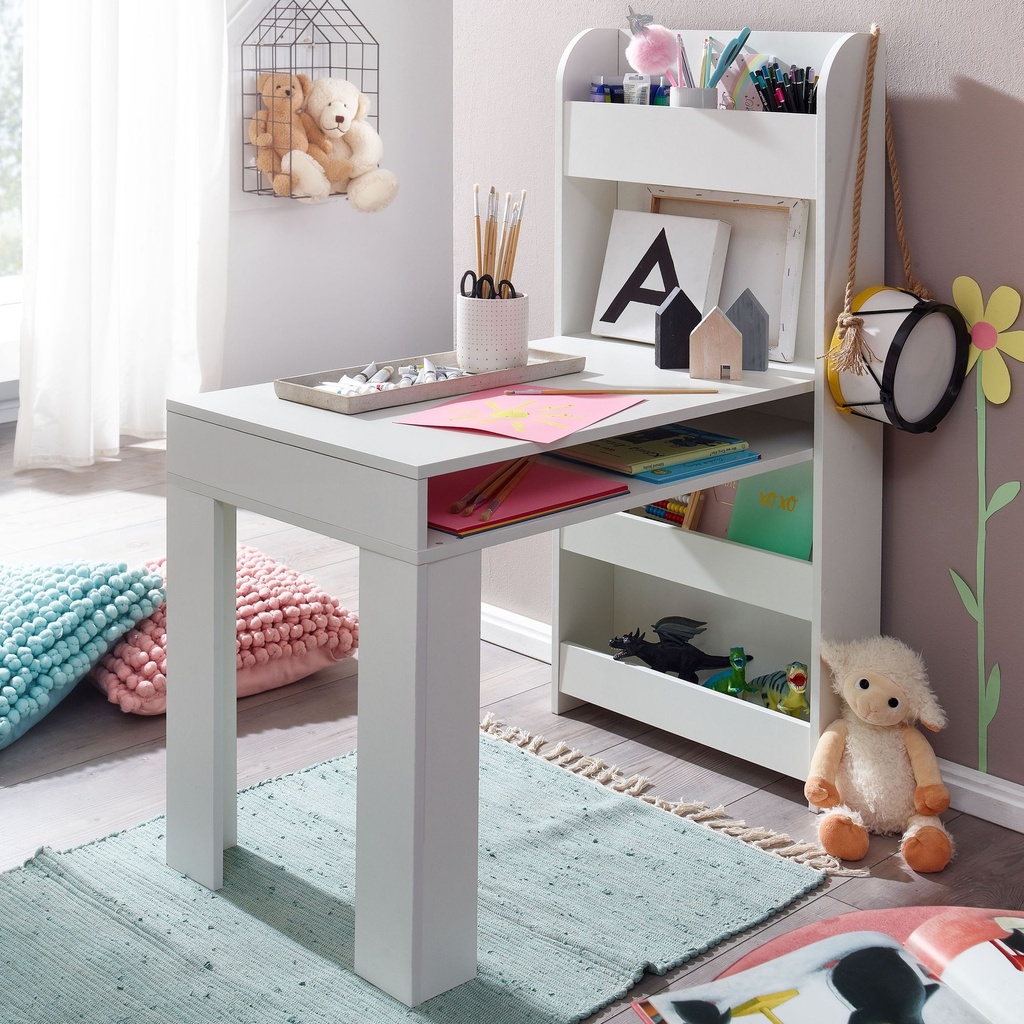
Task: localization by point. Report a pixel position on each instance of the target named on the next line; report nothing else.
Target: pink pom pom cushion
(287, 628)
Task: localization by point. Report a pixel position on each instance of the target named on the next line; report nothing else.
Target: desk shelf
(621, 572)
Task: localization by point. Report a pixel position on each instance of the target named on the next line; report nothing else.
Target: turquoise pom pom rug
(582, 889)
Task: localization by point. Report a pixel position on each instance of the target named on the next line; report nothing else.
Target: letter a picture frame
(648, 255)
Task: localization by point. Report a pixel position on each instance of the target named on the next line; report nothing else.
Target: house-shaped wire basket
(309, 37)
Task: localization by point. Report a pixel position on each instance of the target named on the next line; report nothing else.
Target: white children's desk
(363, 479)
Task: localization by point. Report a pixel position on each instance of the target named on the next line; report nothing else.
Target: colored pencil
(508, 488)
(492, 485)
(474, 495)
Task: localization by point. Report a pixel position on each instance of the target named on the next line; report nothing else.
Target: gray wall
(957, 113)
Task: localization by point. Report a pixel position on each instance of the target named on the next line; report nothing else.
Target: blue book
(684, 470)
(653, 448)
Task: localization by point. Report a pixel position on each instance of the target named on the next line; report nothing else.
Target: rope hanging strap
(852, 352)
(897, 201)
(852, 349)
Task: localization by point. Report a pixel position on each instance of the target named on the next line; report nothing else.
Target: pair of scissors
(729, 54)
(483, 287)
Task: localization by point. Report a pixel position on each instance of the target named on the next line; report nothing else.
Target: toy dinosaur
(785, 691)
(734, 680)
(674, 653)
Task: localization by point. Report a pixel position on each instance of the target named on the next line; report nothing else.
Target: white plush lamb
(872, 770)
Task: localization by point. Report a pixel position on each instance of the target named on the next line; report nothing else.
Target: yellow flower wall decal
(991, 338)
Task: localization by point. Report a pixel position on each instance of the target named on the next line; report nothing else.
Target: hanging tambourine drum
(914, 356)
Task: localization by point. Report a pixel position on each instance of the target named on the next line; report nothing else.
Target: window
(10, 185)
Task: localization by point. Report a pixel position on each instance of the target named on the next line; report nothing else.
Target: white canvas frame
(694, 247)
(766, 252)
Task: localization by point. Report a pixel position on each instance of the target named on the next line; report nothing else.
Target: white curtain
(125, 209)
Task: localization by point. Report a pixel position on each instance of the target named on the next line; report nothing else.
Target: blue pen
(729, 54)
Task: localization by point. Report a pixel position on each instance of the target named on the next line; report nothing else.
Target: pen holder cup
(491, 334)
(682, 97)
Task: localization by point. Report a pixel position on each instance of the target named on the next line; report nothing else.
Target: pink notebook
(545, 488)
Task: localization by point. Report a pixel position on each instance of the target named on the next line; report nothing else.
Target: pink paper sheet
(540, 418)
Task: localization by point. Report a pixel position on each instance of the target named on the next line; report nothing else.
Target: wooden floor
(87, 769)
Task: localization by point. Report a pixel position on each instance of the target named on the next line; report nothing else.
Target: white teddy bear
(334, 116)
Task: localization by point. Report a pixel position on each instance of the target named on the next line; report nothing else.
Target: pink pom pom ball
(651, 52)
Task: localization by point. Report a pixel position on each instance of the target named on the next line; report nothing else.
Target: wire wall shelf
(304, 37)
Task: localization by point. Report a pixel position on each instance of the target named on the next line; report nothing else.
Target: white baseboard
(984, 796)
(973, 792)
(515, 632)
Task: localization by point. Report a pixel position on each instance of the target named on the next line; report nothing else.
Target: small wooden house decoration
(716, 349)
(317, 38)
(751, 319)
(674, 322)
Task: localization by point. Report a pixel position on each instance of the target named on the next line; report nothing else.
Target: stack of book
(663, 454)
(473, 500)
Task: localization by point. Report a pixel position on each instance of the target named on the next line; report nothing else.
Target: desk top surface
(375, 439)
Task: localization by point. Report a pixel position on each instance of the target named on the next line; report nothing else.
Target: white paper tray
(304, 389)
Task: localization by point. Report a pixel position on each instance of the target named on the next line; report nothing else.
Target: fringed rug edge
(604, 774)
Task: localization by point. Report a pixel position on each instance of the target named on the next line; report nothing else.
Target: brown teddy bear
(335, 123)
(278, 133)
(872, 770)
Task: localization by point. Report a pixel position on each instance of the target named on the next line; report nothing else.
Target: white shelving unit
(621, 572)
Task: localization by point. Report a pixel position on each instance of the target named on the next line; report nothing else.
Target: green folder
(774, 511)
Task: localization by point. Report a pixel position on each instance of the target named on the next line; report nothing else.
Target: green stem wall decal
(991, 340)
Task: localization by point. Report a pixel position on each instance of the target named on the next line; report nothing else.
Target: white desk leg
(418, 774)
(202, 772)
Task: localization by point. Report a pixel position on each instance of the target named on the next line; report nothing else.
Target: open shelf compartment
(732, 142)
(709, 564)
(717, 720)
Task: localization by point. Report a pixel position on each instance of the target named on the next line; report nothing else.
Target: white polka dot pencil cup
(679, 96)
(491, 334)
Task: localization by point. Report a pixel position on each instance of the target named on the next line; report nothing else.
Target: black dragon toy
(674, 653)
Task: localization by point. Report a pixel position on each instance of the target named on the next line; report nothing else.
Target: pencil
(476, 224)
(492, 485)
(612, 391)
(475, 493)
(684, 65)
(510, 485)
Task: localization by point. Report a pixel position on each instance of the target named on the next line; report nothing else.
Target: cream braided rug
(583, 887)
